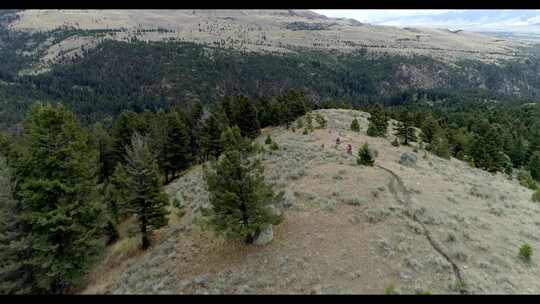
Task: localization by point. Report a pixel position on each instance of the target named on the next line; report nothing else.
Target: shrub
(536, 196)
(256, 148)
(355, 126)
(320, 120)
(365, 156)
(309, 122)
(459, 286)
(526, 180)
(179, 207)
(525, 252)
(534, 165)
(274, 146)
(390, 290)
(268, 140)
(354, 201)
(300, 123)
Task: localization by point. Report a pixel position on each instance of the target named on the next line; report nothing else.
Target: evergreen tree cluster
(65, 188)
(497, 137)
(54, 215)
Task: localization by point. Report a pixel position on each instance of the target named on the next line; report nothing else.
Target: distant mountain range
(471, 20)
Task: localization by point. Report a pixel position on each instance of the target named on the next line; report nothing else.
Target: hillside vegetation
(263, 151)
(438, 227)
(101, 62)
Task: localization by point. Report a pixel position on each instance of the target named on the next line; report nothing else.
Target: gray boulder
(408, 159)
(265, 237)
(289, 199)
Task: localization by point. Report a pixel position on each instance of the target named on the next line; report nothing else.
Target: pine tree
(14, 247)
(378, 123)
(276, 114)
(177, 148)
(5, 141)
(268, 140)
(406, 132)
(226, 109)
(197, 110)
(124, 126)
(355, 126)
(8, 147)
(439, 145)
(264, 111)
(429, 128)
(534, 165)
(57, 185)
(487, 151)
(193, 122)
(104, 144)
(158, 129)
(246, 118)
(365, 156)
(294, 105)
(460, 141)
(519, 151)
(147, 200)
(239, 197)
(117, 193)
(231, 139)
(211, 136)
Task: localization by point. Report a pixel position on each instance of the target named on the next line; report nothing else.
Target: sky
(471, 20)
(373, 15)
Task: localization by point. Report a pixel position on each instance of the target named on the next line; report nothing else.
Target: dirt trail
(401, 189)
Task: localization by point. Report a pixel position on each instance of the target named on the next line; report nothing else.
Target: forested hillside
(89, 143)
(98, 80)
(139, 75)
